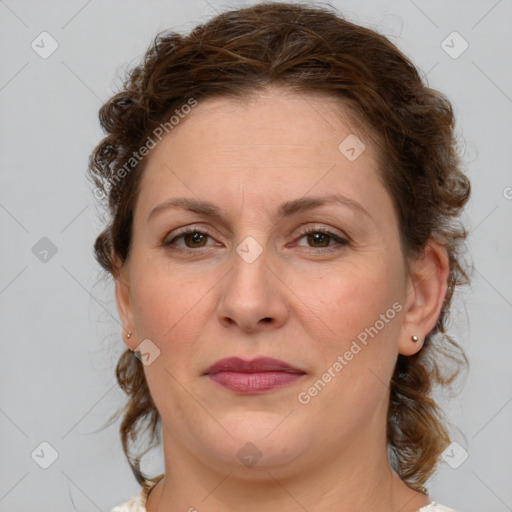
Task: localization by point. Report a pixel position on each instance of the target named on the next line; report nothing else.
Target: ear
(426, 290)
(123, 300)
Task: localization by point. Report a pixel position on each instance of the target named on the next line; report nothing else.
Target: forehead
(269, 144)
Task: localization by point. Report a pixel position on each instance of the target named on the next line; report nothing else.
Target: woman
(285, 243)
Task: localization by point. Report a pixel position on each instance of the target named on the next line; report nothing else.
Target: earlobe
(428, 282)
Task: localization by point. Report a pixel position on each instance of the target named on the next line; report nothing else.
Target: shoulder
(134, 504)
(435, 507)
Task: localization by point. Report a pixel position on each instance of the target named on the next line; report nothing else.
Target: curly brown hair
(308, 49)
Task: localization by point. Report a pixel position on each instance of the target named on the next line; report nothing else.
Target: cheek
(166, 301)
(171, 310)
(352, 298)
(354, 344)
(357, 315)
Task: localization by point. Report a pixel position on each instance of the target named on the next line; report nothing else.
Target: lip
(253, 377)
(258, 365)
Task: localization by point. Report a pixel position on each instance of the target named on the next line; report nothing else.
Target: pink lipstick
(253, 377)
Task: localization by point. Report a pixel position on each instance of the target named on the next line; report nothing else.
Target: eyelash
(329, 248)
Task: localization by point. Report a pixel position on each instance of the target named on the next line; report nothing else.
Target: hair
(306, 49)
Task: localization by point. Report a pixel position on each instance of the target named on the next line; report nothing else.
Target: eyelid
(340, 237)
(314, 227)
(184, 231)
(340, 240)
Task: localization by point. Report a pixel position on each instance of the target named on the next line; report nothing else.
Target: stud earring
(129, 334)
(414, 338)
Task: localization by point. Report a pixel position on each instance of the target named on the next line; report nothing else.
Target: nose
(253, 298)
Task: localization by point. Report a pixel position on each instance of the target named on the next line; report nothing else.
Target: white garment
(137, 504)
(435, 507)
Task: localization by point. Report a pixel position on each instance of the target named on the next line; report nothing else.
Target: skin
(297, 301)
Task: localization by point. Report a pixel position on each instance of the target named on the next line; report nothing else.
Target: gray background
(60, 332)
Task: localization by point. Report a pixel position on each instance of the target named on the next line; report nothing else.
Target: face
(265, 271)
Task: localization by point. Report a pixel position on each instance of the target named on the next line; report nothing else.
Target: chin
(258, 442)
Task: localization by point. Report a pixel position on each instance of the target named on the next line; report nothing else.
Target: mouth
(253, 377)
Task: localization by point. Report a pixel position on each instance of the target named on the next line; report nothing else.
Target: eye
(193, 239)
(319, 238)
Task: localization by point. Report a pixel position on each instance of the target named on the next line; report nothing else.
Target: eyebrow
(285, 209)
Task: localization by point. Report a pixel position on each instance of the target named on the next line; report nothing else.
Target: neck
(358, 477)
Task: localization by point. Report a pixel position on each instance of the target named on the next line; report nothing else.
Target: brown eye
(192, 239)
(319, 238)
(195, 239)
